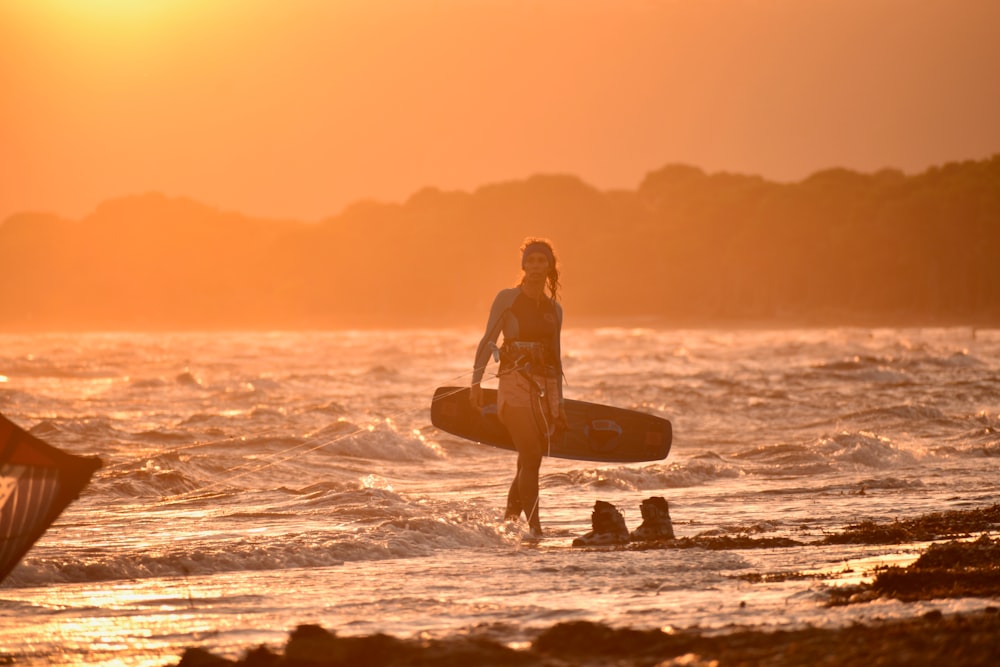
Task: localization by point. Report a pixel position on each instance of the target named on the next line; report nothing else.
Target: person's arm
(501, 304)
(493, 327)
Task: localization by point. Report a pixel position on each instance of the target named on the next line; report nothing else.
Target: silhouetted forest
(685, 248)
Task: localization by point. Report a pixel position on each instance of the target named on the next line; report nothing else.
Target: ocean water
(257, 481)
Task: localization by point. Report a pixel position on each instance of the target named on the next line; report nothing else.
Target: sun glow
(118, 21)
(113, 9)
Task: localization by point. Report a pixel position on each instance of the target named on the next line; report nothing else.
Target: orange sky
(295, 108)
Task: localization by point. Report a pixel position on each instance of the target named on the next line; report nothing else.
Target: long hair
(552, 279)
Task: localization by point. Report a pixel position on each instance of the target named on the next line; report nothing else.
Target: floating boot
(609, 527)
(656, 524)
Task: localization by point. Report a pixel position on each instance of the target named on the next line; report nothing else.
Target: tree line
(685, 248)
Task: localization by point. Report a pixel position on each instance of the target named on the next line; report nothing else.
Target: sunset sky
(296, 108)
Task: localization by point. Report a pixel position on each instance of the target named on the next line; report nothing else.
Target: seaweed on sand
(721, 543)
(955, 523)
(950, 570)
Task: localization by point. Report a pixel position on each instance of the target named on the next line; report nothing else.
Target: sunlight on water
(245, 493)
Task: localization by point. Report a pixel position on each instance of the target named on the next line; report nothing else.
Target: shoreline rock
(934, 638)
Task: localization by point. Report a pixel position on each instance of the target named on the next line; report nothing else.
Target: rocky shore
(963, 566)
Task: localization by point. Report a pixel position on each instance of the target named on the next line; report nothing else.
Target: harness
(525, 357)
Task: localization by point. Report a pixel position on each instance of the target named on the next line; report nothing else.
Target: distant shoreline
(685, 249)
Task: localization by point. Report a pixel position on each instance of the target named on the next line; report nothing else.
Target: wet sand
(963, 566)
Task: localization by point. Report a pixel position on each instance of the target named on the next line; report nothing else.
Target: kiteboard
(595, 432)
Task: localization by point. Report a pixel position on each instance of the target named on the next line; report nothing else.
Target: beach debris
(950, 570)
(656, 524)
(608, 527)
(199, 657)
(954, 523)
(314, 645)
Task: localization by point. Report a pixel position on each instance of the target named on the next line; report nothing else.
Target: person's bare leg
(527, 437)
(514, 506)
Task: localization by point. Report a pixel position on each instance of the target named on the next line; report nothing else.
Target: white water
(254, 482)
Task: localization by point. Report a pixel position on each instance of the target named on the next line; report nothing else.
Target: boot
(656, 524)
(608, 527)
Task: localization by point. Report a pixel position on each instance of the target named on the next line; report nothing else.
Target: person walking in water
(529, 395)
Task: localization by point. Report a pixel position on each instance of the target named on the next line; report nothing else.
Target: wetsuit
(522, 320)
